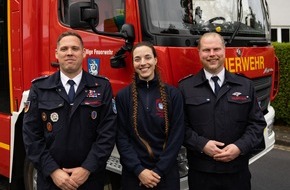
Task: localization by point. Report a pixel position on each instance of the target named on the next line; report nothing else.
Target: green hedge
(281, 103)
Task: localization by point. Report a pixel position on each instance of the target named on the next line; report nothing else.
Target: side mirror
(128, 31)
(118, 60)
(82, 13)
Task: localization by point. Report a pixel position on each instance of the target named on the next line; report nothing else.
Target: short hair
(70, 33)
(213, 34)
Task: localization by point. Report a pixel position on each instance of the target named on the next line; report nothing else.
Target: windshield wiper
(239, 22)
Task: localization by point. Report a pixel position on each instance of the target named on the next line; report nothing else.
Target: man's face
(212, 54)
(70, 54)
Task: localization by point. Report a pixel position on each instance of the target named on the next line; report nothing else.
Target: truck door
(4, 72)
(99, 48)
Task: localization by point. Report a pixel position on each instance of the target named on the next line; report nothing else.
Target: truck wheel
(30, 176)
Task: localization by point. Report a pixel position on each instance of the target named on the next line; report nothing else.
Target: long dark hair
(163, 100)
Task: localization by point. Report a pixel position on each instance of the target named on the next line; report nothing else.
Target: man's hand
(230, 152)
(149, 178)
(212, 148)
(79, 175)
(63, 180)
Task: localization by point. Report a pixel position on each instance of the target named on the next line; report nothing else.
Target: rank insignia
(26, 106)
(93, 94)
(54, 117)
(236, 93)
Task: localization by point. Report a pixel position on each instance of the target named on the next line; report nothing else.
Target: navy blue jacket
(151, 126)
(233, 116)
(58, 135)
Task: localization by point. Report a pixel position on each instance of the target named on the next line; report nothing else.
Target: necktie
(71, 92)
(216, 85)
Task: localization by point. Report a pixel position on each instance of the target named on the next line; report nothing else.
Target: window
(279, 34)
(274, 35)
(111, 13)
(285, 34)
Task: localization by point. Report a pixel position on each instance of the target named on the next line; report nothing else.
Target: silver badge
(54, 117)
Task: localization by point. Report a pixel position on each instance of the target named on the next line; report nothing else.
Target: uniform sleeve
(253, 134)
(33, 136)
(128, 155)
(102, 147)
(176, 134)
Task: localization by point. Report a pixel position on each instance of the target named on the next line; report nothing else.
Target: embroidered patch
(26, 106)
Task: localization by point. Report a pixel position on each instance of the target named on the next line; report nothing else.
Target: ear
(56, 54)
(84, 52)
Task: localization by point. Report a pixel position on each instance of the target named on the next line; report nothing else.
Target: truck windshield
(199, 16)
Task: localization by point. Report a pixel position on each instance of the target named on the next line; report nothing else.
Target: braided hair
(163, 100)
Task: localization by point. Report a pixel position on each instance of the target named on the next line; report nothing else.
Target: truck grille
(263, 89)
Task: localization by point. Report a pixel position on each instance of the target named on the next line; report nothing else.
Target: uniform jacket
(151, 127)
(58, 135)
(233, 116)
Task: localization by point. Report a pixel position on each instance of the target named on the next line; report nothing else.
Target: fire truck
(109, 28)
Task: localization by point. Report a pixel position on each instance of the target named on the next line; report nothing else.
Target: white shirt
(221, 76)
(76, 79)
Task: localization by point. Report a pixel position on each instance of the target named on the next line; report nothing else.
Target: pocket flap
(197, 100)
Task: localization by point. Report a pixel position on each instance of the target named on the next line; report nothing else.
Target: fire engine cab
(109, 28)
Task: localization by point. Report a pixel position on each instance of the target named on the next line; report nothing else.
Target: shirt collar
(76, 79)
(221, 75)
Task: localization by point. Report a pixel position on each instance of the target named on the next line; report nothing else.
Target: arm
(128, 155)
(33, 136)
(175, 136)
(253, 133)
(256, 123)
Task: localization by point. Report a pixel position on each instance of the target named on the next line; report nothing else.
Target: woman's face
(144, 62)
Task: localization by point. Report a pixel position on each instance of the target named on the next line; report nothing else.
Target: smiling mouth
(69, 60)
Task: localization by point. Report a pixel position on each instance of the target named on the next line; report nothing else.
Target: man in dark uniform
(69, 138)
(223, 122)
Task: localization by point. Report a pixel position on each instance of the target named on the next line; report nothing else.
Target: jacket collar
(230, 78)
(54, 81)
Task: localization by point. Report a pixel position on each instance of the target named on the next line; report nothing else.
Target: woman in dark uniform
(150, 126)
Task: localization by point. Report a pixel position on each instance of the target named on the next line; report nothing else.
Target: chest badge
(43, 116)
(94, 115)
(54, 117)
(49, 126)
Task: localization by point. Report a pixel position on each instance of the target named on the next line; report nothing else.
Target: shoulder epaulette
(39, 78)
(100, 76)
(242, 75)
(190, 75)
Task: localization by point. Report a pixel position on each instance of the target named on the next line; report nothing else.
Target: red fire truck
(29, 30)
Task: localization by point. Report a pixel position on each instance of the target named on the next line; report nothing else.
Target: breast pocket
(91, 111)
(52, 118)
(197, 109)
(238, 107)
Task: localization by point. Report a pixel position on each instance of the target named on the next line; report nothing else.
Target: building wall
(280, 20)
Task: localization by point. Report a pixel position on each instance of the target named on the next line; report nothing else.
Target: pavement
(282, 135)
